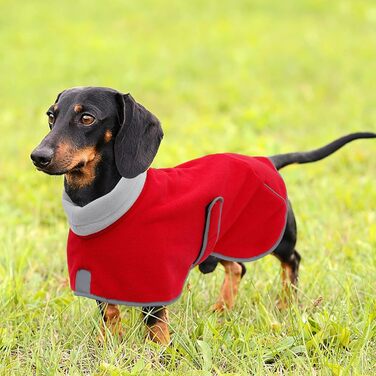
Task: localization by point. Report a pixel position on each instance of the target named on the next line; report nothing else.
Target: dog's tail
(282, 160)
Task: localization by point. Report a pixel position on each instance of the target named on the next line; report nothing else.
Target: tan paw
(114, 330)
(283, 304)
(219, 307)
(159, 333)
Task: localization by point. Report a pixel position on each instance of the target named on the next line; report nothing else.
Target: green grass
(255, 77)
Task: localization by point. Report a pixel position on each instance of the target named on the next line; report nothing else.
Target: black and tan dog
(91, 144)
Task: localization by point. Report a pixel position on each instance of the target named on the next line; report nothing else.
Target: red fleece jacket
(228, 205)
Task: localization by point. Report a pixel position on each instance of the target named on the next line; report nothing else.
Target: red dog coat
(227, 205)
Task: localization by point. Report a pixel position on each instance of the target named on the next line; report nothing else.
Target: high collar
(105, 210)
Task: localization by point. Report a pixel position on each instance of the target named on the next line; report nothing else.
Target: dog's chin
(52, 170)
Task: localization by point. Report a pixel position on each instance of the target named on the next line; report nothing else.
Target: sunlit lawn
(255, 77)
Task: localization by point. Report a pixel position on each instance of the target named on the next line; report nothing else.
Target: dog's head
(89, 121)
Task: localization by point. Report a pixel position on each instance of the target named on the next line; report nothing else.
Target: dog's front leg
(156, 319)
(111, 318)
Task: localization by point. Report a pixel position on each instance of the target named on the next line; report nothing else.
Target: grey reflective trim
(123, 302)
(207, 227)
(222, 257)
(83, 280)
(276, 193)
(133, 304)
(105, 210)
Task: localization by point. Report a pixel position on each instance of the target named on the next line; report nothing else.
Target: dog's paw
(114, 331)
(286, 301)
(159, 333)
(219, 307)
(282, 304)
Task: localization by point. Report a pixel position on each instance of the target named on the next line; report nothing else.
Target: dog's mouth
(52, 170)
(78, 166)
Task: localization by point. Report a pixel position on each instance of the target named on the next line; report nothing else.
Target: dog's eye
(51, 119)
(87, 119)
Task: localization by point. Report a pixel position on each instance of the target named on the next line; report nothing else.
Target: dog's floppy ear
(138, 138)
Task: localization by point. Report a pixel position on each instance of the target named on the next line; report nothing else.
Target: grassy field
(255, 77)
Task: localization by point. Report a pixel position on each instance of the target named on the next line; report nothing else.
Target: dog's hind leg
(234, 271)
(290, 260)
(156, 319)
(209, 265)
(290, 270)
(111, 318)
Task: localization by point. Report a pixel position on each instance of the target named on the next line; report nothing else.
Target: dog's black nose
(42, 157)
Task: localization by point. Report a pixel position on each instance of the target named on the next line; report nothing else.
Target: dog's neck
(106, 209)
(94, 180)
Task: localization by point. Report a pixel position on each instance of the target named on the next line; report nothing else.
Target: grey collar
(105, 210)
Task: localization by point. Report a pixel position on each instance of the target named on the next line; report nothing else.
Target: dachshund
(94, 145)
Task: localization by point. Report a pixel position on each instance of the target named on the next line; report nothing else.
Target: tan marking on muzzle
(63, 155)
(86, 174)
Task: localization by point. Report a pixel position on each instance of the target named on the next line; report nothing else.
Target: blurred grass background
(254, 77)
